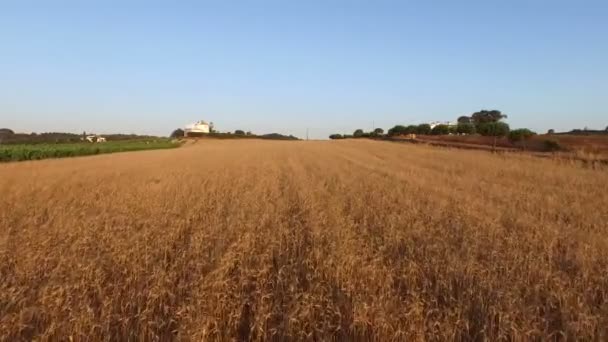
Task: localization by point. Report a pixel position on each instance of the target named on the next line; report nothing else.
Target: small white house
(199, 127)
(433, 124)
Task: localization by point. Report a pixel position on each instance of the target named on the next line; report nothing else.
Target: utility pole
(307, 133)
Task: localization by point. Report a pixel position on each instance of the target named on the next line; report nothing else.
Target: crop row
(45, 151)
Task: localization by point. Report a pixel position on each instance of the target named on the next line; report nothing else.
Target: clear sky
(284, 66)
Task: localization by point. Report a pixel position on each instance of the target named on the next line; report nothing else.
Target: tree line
(239, 133)
(9, 137)
(484, 122)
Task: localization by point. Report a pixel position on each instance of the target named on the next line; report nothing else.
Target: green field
(44, 151)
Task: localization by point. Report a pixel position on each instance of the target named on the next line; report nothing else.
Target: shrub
(336, 136)
(521, 134)
(358, 133)
(239, 132)
(551, 146)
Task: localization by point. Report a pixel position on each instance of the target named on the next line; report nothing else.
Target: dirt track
(302, 240)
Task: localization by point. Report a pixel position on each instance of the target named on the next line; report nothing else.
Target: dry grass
(258, 240)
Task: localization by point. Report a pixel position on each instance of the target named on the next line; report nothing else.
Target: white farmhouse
(200, 127)
(95, 139)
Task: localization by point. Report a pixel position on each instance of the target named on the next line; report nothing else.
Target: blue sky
(285, 66)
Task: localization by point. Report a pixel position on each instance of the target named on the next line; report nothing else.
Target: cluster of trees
(484, 122)
(179, 133)
(359, 133)
(411, 129)
(425, 129)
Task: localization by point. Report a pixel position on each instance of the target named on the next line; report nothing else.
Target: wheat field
(341, 240)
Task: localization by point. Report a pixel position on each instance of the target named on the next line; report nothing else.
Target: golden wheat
(258, 240)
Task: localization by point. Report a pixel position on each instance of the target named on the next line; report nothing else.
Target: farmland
(20, 152)
(269, 240)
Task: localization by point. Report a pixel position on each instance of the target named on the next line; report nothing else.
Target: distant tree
(358, 133)
(465, 128)
(493, 129)
(486, 116)
(522, 135)
(239, 132)
(248, 133)
(464, 119)
(606, 129)
(397, 130)
(379, 131)
(440, 130)
(178, 133)
(423, 129)
(411, 129)
(551, 131)
(336, 136)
